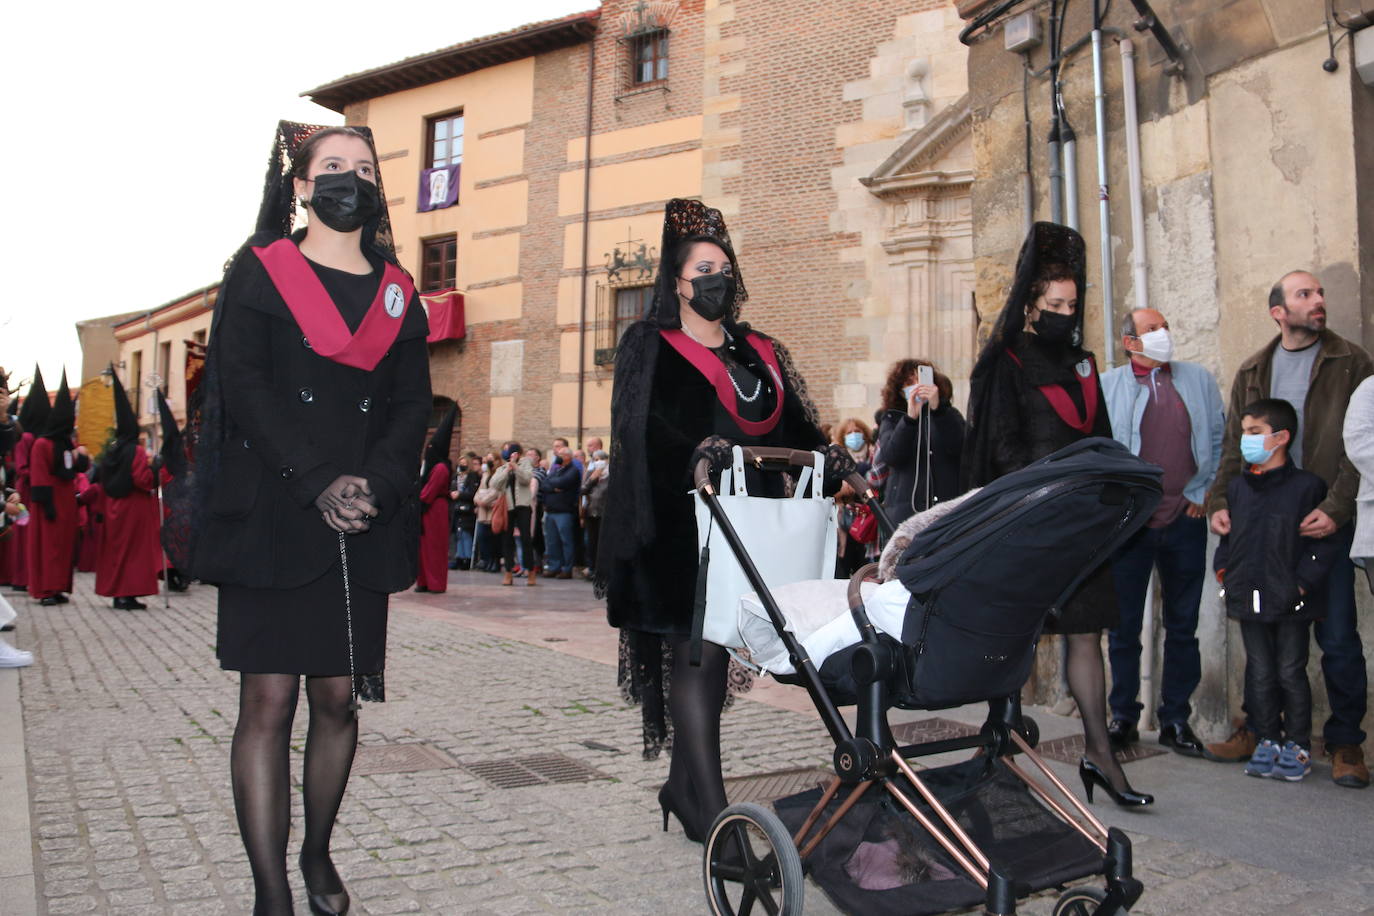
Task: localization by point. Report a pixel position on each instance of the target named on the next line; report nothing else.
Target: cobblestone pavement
(127, 720)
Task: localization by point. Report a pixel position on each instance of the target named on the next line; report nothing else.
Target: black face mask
(343, 201)
(712, 295)
(1056, 328)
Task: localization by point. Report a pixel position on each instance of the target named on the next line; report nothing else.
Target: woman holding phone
(920, 439)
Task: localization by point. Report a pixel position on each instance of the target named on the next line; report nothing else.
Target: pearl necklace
(758, 382)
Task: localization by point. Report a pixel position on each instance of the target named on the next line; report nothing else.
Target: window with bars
(649, 58)
(438, 263)
(444, 144)
(617, 308)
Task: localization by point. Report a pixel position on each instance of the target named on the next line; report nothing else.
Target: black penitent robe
(653, 590)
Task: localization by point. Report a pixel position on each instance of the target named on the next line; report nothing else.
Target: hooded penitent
(178, 492)
(33, 415)
(116, 465)
(440, 443)
(1035, 359)
(59, 428)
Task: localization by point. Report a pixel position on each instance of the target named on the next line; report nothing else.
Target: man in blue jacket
(559, 491)
(1169, 413)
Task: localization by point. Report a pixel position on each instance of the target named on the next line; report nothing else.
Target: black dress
(1027, 428)
(654, 591)
(294, 618)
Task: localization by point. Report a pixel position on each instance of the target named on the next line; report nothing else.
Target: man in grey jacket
(1168, 412)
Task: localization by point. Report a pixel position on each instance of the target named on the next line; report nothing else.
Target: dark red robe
(87, 532)
(130, 537)
(433, 571)
(16, 545)
(52, 542)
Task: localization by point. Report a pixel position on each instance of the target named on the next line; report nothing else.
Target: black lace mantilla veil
(646, 658)
(1047, 243)
(276, 220)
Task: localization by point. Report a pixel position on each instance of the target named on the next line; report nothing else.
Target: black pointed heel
(320, 904)
(1092, 774)
(670, 804)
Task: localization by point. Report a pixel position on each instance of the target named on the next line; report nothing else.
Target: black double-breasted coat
(293, 422)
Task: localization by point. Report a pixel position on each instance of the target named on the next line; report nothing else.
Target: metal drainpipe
(1103, 193)
(1139, 264)
(1070, 149)
(586, 244)
(1056, 174)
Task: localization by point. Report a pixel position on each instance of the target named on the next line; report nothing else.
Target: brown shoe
(508, 578)
(1347, 766)
(533, 573)
(565, 574)
(1234, 749)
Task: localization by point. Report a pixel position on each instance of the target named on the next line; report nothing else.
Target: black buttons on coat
(287, 472)
(365, 405)
(306, 395)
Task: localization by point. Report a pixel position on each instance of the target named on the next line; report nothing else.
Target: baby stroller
(996, 827)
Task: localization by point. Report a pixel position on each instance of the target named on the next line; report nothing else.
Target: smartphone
(925, 375)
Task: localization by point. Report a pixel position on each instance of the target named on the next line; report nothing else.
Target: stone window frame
(615, 312)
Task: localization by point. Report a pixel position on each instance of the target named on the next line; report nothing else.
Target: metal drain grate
(767, 787)
(933, 729)
(535, 770)
(1070, 750)
(373, 759)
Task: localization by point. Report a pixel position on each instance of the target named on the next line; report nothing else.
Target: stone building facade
(1255, 160)
(834, 137)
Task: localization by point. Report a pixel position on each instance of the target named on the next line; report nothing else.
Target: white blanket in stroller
(817, 610)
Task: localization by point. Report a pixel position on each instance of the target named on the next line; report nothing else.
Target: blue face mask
(853, 441)
(1252, 449)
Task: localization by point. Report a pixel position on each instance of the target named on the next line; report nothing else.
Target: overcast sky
(137, 134)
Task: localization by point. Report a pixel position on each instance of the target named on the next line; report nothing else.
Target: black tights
(696, 697)
(1088, 684)
(259, 764)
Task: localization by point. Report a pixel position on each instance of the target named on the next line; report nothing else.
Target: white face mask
(1157, 345)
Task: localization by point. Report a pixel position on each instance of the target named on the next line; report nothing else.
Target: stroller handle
(776, 458)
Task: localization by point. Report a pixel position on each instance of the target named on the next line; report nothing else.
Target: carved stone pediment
(920, 166)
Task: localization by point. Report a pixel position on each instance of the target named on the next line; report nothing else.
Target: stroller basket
(982, 580)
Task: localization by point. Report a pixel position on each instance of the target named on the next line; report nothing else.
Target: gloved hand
(43, 496)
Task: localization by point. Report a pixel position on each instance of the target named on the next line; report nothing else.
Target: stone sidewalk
(492, 694)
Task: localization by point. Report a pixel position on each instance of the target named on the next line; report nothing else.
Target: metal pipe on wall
(1139, 263)
(1103, 194)
(1070, 149)
(586, 242)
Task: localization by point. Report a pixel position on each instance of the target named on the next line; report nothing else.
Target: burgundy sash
(1063, 405)
(709, 365)
(319, 318)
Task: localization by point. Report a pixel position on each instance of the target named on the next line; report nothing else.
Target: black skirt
(1090, 609)
(301, 630)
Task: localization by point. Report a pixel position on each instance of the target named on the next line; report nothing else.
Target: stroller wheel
(1079, 901)
(750, 861)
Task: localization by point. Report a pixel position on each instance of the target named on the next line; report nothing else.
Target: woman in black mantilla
(315, 405)
(688, 371)
(1035, 390)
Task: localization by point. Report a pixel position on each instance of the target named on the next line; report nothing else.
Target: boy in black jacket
(1274, 584)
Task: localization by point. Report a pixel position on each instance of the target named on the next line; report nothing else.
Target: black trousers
(1278, 698)
(519, 520)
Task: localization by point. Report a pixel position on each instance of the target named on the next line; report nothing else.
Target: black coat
(294, 421)
(901, 450)
(654, 591)
(1267, 564)
(464, 509)
(560, 487)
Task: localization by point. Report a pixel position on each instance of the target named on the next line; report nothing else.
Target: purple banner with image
(438, 187)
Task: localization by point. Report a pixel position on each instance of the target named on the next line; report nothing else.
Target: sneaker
(1240, 746)
(10, 657)
(1347, 765)
(1263, 759)
(1293, 764)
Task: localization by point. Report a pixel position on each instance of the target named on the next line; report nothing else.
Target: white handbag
(788, 540)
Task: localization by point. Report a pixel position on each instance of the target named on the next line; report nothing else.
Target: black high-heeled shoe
(1092, 774)
(668, 803)
(320, 904)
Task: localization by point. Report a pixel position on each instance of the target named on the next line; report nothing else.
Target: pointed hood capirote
(117, 464)
(33, 414)
(440, 443)
(60, 426)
